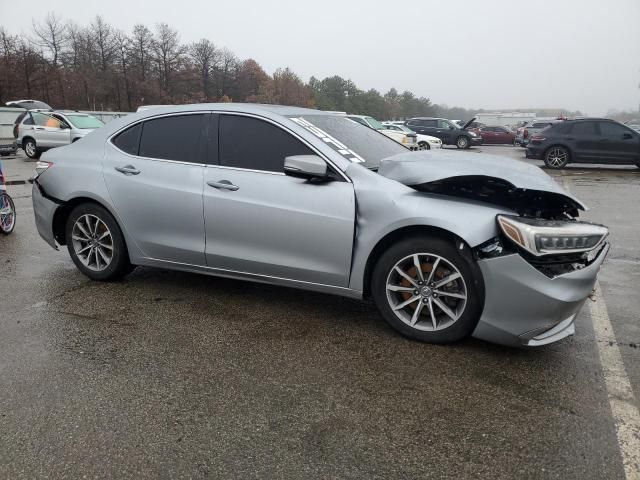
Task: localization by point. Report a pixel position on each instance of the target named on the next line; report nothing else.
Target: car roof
(231, 107)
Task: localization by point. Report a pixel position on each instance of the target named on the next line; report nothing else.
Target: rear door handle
(223, 185)
(128, 170)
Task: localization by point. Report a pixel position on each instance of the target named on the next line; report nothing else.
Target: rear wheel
(96, 244)
(7, 214)
(427, 291)
(462, 142)
(30, 148)
(556, 157)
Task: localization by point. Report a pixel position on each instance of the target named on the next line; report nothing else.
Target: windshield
(373, 123)
(352, 140)
(84, 121)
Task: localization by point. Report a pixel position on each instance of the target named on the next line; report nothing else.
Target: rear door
(49, 131)
(154, 174)
(583, 141)
(488, 135)
(618, 143)
(262, 222)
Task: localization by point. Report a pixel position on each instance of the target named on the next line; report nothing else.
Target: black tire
(119, 265)
(424, 145)
(469, 313)
(6, 201)
(557, 157)
(30, 148)
(463, 142)
(5, 154)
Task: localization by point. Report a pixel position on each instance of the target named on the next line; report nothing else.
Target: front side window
(43, 120)
(612, 130)
(178, 137)
(375, 124)
(444, 124)
(254, 144)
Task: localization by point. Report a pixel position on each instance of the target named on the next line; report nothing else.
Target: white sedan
(425, 142)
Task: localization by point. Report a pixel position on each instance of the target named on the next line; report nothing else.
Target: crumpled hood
(420, 168)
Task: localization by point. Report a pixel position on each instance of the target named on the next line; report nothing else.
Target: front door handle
(39, 128)
(223, 185)
(128, 170)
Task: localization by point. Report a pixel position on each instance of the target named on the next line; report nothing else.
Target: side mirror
(627, 136)
(450, 127)
(64, 126)
(306, 166)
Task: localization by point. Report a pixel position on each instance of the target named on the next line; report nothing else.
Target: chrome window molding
(224, 112)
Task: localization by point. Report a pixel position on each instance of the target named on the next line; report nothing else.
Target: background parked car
(534, 127)
(593, 140)
(39, 131)
(497, 135)
(448, 132)
(408, 139)
(425, 142)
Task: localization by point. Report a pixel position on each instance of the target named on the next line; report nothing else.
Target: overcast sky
(577, 54)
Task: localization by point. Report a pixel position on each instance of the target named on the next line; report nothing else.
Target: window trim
(154, 117)
(282, 127)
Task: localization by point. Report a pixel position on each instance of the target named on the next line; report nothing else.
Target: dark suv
(593, 140)
(445, 130)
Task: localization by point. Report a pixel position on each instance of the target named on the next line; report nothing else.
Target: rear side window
(173, 138)
(129, 140)
(254, 144)
(541, 125)
(584, 128)
(28, 120)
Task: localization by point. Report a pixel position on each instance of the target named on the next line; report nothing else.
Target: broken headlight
(551, 237)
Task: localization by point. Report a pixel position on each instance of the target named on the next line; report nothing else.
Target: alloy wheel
(426, 292)
(7, 214)
(30, 149)
(557, 157)
(462, 142)
(92, 242)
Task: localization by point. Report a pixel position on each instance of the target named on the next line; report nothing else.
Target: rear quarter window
(129, 140)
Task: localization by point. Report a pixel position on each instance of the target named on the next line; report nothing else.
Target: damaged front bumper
(44, 209)
(524, 307)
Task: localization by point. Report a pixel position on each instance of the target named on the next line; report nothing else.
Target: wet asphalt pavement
(175, 375)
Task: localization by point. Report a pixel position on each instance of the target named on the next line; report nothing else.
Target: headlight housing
(552, 237)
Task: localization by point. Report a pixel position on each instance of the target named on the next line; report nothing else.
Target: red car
(496, 135)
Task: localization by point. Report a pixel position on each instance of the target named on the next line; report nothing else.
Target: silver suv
(39, 131)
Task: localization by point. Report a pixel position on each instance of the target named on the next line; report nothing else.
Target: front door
(262, 222)
(154, 173)
(50, 132)
(618, 143)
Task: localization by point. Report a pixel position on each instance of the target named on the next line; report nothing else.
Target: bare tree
(141, 45)
(51, 34)
(225, 72)
(123, 46)
(205, 58)
(168, 55)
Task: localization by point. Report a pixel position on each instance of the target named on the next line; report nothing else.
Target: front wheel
(427, 291)
(462, 142)
(7, 214)
(424, 146)
(96, 244)
(556, 157)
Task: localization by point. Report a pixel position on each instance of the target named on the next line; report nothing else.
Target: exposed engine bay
(528, 203)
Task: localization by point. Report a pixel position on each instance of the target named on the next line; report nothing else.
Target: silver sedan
(448, 244)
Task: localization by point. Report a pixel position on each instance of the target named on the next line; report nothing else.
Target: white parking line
(621, 399)
(619, 392)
